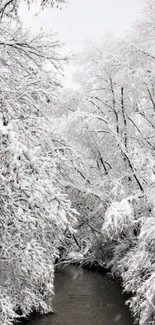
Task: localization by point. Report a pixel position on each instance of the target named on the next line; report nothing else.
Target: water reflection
(84, 297)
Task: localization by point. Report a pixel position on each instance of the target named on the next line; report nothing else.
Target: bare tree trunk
(151, 97)
(124, 117)
(114, 105)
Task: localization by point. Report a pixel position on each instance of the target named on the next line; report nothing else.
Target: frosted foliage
(119, 218)
(147, 308)
(133, 267)
(118, 191)
(151, 200)
(140, 281)
(147, 234)
(9, 6)
(34, 217)
(75, 256)
(137, 271)
(34, 213)
(132, 256)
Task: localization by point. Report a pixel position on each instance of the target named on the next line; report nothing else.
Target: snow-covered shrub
(118, 232)
(119, 220)
(137, 270)
(129, 230)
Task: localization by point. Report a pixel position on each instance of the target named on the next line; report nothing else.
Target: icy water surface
(84, 297)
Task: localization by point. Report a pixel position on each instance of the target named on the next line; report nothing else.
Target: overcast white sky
(85, 19)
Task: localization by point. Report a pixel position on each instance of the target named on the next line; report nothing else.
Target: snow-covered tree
(9, 7)
(35, 214)
(112, 122)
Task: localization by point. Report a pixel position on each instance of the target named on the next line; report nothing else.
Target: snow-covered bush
(118, 232)
(119, 219)
(137, 270)
(129, 231)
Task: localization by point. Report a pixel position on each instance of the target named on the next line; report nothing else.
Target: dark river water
(84, 297)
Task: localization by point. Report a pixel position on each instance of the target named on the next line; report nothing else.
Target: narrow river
(84, 297)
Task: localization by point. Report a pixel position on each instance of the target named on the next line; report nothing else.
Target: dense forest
(77, 166)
